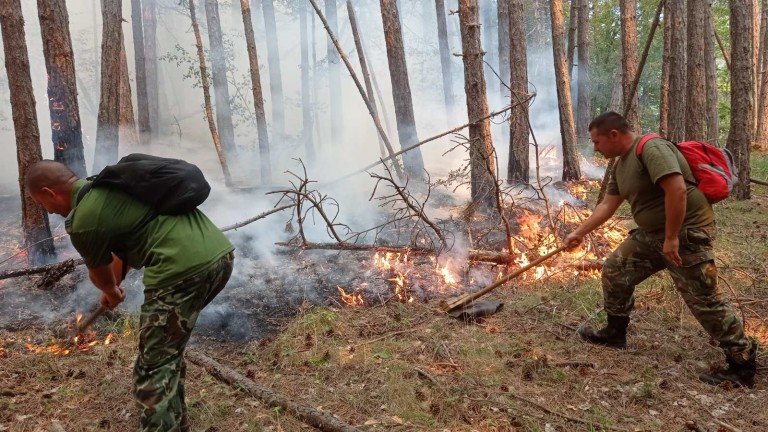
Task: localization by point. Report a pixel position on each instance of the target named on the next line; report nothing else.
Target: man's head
(611, 134)
(49, 183)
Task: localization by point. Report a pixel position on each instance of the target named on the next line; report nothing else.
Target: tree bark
(66, 132)
(401, 88)
(713, 115)
(445, 60)
(258, 97)
(677, 67)
(108, 124)
(275, 72)
(573, 19)
(149, 15)
(482, 163)
(207, 96)
(571, 170)
(219, 75)
(518, 164)
(665, 74)
(306, 100)
(334, 76)
(488, 30)
(34, 220)
(629, 61)
(742, 86)
(128, 135)
(696, 98)
(142, 102)
(584, 83)
(503, 33)
(761, 136)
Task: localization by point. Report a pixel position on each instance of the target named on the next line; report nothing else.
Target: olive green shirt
(171, 248)
(636, 181)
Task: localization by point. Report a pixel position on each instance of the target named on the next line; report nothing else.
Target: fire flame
(354, 299)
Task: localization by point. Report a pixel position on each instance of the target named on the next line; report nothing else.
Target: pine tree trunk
(489, 31)
(258, 94)
(219, 75)
(518, 165)
(617, 95)
(364, 68)
(742, 86)
(108, 124)
(275, 72)
(665, 74)
(141, 73)
(207, 95)
(306, 100)
(761, 138)
(66, 132)
(573, 19)
(677, 68)
(149, 14)
(34, 220)
(503, 25)
(629, 60)
(696, 98)
(571, 170)
(445, 60)
(482, 162)
(128, 135)
(401, 89)
(334, 76)
(583, 98)
(755, 15)
(713, 115)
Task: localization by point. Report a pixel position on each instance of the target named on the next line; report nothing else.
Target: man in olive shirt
(187, 262)
(675, 231)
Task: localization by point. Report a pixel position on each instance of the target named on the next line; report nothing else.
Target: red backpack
(712, 166)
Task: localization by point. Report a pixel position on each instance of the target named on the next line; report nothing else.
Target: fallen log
(320, 419)
(758, 181)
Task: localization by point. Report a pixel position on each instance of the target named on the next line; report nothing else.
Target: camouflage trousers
(168, 316)
(640, 256)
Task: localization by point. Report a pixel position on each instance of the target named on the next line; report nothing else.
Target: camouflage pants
(640, 256)
(168, 316)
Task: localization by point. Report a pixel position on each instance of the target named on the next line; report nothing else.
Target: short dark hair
(609, 121)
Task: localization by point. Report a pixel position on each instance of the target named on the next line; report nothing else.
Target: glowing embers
(83, 342)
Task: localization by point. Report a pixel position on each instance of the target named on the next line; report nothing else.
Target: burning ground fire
(83, 342)
(536, 235)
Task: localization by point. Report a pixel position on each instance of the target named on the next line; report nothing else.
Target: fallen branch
(757, 181)
(319, 419)
(255, 218)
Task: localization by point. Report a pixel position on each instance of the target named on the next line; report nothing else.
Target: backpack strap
(643, 140)
(83, 190)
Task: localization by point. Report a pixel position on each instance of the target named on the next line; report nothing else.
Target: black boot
(740, 371)
(613, 335)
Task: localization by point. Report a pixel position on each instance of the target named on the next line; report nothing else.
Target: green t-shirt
(171, 248)
(635, 181)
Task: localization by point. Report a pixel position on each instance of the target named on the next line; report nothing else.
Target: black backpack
(169, 186)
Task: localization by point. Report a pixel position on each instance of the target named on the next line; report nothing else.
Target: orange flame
(354, 299)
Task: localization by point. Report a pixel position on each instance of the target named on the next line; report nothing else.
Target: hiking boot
(613, 335)
(740, 371)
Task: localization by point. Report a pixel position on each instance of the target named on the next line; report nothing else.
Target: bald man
(187, 262)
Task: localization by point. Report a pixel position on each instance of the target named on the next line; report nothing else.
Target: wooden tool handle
(83, 326)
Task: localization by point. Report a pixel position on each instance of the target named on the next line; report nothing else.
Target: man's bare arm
(602, 213)
(675, 202)
(104, 278)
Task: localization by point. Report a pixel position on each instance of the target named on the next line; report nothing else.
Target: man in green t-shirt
(675, 231)
(187, 261)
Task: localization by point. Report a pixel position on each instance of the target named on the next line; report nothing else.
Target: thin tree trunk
(742, 86)
(219, 75)
(66, 132)
(364, 68)
(34, 220)
(445, 60)
(573, 19)
(761, 137)
(258, 97)
(306, 102)
(696, 98)
(334, 76)
(760, 66)
(503, 33)
(584, 83)
(207, 96)
(677, 68)
(713, 115)
(149, 15)
(275, 73)
(401, 89)
(128, 135)
(518, 165)
(755, 15)
(617, 94)
(488, 36)
(142, 102)
(571, 170)
(629, 60)
(665, 74)
(482, 162)
(108, 127)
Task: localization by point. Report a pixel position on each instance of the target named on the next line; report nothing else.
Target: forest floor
(409, 367)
